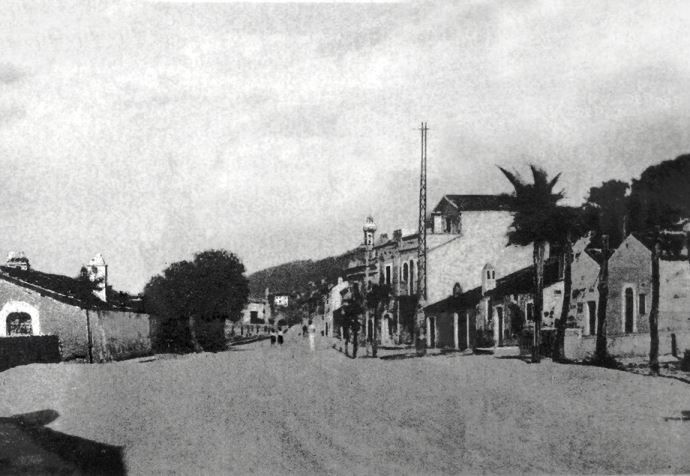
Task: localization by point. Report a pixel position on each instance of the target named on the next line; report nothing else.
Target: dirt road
(267, 410)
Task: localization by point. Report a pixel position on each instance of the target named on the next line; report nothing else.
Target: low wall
(578, 347)
(23, 350)
(118, 335)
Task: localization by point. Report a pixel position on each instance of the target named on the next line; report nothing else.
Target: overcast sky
(149, 131)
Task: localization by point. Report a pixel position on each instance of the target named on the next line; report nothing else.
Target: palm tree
(571, 226)
(536, 221)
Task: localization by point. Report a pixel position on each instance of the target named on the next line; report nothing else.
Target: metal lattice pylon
(421, 249)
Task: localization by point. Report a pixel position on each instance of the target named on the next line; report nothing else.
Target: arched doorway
(629, 313)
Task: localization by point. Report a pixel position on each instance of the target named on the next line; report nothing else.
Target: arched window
(19, 318)
(405, 272)
(19, 324)
(412, 276)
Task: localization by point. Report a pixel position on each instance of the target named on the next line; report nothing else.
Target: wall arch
(19, 306)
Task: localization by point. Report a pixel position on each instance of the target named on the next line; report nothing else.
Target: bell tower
(369, 230)
(98, 273)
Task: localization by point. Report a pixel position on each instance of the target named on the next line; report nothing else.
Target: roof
(519, 282)
(481, 202)
(522, 281)
(597, 254)
(451, 303)
(56, 286)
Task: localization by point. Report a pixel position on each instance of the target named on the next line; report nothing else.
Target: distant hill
(296, 275)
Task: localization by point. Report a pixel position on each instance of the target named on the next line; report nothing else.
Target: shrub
(685, 361)
(484, 338)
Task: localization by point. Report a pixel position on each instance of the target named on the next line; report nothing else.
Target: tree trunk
(89, 337)
(355, 344)
(559, 347)
(654, 311)
(192, 334)
(601, 353)
(538, 255)
(375, 336)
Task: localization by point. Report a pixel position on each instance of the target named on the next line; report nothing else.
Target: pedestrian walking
(304, 330)
(280, 336)
(273, 337)
(312, 336)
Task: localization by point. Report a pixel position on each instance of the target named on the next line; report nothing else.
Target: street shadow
(527, 360)
(27, 446)
(399, 356)
(684, 416)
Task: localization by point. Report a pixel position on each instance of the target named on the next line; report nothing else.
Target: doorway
(499, 313)
(592, 310)
(629, 310)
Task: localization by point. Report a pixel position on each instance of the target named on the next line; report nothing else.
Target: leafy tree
(536, 221)
(198, 295)
(661, 196)
(606, 209)
(659, 200)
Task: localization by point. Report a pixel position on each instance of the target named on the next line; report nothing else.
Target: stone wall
(585, 273)
(115, 334)
(578, 347)
(119, 335)
(674, 296)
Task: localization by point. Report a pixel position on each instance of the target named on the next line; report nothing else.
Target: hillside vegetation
(296, 275)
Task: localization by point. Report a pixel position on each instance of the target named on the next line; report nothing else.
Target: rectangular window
(388, 274)
(643, 304)
(530, 311)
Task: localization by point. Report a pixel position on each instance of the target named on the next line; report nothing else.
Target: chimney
(17, 260)
(397, 236)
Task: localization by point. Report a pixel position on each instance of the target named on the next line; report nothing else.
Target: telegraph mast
(421, 248)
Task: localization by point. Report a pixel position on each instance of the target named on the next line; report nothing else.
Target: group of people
(276, 336)
(310, 330)
(307, 331)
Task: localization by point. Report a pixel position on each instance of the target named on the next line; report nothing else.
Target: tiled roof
(463, 301)
(522, 281)
(597, 254)
(482, 202)
(59, 287)
(519, 282)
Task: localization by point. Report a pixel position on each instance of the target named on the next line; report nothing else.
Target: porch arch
(19, 307)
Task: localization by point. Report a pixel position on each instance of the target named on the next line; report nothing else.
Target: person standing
(311, 329)
(273, 336)
(280, 336)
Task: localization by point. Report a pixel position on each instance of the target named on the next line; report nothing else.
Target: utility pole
(420, 321)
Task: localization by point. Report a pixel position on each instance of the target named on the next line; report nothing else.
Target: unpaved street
(268, 410)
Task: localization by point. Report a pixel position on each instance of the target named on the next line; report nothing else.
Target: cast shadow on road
(684, 416)
(27, 446)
